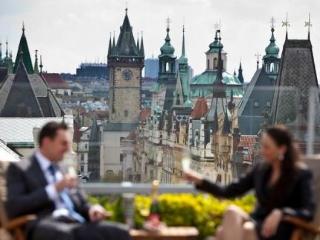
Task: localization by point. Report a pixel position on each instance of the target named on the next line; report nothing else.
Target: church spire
(23, 52)
(240, 75)
(141, 46)
(109, 47)
(36, 67)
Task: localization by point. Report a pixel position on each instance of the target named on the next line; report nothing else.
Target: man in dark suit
(39, 186)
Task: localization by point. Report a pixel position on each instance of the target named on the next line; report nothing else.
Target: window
(215, 63)
(126, 113)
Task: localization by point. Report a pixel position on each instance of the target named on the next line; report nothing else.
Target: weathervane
(168, 20)
(258, 55)
(309, 25)
(286, 24)
(272, 22)
(217, 26)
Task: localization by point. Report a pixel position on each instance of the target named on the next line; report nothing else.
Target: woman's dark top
(296, 200)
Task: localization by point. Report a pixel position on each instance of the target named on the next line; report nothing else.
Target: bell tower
(125, 62)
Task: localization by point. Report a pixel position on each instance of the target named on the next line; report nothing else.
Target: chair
(14, 228)
(305, 230)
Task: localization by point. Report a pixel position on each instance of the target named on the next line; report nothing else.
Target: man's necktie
(65, 198)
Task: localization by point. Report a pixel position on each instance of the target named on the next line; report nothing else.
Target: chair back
(3, 218)
(313, 163)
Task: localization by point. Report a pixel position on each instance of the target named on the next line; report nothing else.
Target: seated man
(38, 186)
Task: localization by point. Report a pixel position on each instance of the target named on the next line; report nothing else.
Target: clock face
(127, 74)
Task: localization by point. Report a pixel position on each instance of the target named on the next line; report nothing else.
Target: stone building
(125, 63)
(297, 76)
(255, 106)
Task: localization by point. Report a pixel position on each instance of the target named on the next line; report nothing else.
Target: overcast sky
(68, 32)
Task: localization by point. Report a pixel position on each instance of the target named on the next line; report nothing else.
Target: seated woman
(282, 186)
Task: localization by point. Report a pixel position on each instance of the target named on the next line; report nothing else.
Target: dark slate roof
(27, 95)
(126, 45)
(297, 75)
(120, 127)
(255, 102)
(55, 81)
(23, 52)
(3, 75)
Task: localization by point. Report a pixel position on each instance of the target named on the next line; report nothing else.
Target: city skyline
(68, 33)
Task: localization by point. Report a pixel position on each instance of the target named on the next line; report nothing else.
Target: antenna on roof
(309, 25)
(286, 24)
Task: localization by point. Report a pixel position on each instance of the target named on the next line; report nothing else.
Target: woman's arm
(235, 189)
(307, 209)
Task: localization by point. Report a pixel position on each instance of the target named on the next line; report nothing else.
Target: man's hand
(271, 223)
(67, 182)
(193, 177)
(97, 213)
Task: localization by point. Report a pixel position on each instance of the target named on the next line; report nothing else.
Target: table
(168, 233)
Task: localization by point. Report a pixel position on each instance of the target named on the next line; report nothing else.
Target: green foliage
(202, 211)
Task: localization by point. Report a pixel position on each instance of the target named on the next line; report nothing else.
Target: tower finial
(286, 24)
(41, 65)
(23, 28)
(258, 55)
(309, 25)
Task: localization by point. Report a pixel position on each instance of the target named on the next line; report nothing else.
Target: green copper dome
(272, 50)
(167, 48)
(188, 103)
(216, 44)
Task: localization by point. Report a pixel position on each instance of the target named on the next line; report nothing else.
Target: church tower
(125, 62)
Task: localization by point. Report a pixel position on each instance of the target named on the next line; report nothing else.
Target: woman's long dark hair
(282, 137)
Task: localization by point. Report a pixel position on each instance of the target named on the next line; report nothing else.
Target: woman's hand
(193, 177)
(271, 223)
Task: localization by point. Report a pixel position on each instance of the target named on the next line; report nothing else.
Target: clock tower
(125, 62)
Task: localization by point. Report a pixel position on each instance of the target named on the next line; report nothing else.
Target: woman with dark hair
(282, 185)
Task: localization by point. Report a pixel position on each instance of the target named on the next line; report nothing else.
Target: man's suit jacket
(26, 191)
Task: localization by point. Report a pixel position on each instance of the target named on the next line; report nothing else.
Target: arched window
(208, 63)
(272, 67)
(126, 113)
(215, 63)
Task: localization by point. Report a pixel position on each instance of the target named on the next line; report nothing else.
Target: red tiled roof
(144, 114)
(200, 109)
(55, 81)
(247, 144)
